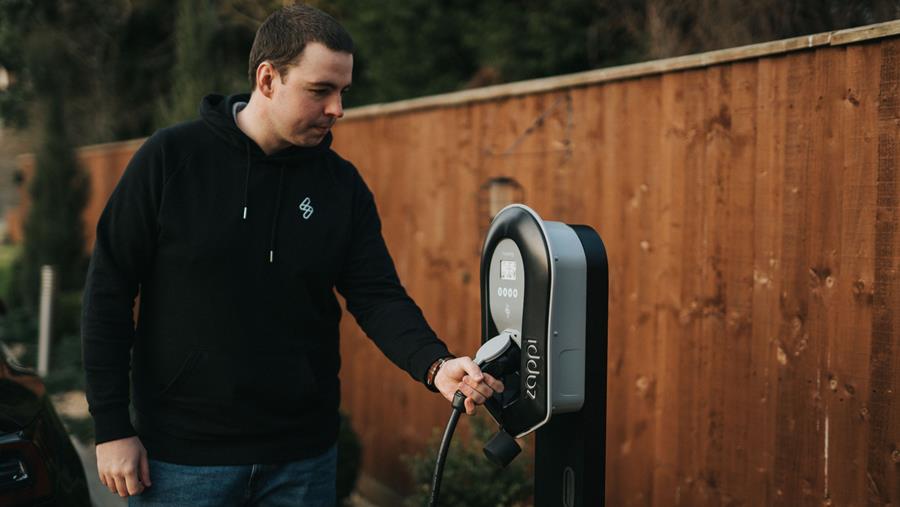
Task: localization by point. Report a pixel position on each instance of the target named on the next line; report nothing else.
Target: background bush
(469, 478)
(349, 459)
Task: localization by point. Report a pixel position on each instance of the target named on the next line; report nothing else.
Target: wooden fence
(749, 202)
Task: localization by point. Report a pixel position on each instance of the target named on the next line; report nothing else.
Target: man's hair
(284, 35)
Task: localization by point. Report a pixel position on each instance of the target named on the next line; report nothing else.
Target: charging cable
(490, 351)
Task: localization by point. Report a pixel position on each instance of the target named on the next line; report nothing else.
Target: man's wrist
(112, 424)
(433, 371)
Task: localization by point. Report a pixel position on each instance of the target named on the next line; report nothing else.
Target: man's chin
(311, 139)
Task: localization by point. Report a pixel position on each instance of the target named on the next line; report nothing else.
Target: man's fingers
(132, 483)
(449, 395)
(121, 465)
(145, 470)
(481, 387)
(494, 383)
(103, 479)
(471, 368)
(121, 487)
(110, 484)
(105, 482)
(475, 384)
(471, 393)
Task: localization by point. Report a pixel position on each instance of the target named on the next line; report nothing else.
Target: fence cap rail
(130, 145)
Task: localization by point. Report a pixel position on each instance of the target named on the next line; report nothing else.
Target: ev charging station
(545, 285)
(544, 299)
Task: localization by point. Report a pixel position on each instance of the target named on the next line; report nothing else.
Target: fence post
(48, 286)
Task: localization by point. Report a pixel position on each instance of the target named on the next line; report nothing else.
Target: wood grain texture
(750, 211)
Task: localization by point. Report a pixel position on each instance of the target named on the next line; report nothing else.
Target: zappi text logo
(533, 369)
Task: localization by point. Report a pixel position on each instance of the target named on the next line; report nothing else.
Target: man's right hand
(123, 467)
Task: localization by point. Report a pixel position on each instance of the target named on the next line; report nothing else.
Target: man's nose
(335, 107)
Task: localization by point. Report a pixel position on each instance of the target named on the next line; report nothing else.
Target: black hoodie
(236, 254)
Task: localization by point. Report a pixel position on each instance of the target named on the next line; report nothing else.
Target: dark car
(38, 464)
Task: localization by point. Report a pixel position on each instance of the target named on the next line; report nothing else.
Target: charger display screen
(508, 270)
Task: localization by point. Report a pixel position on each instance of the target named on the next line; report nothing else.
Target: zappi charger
(545, 284)
(544, 300)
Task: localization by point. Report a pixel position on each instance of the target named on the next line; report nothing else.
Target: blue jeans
(308, 483)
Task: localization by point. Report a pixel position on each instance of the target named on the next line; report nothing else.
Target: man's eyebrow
(327, 84)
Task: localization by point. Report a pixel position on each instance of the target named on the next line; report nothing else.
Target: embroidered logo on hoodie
(306, 208)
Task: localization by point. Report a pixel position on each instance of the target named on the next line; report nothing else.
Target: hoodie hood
(216, 111)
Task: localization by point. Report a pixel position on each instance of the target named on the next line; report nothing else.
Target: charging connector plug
(490, 351)
(501, 449)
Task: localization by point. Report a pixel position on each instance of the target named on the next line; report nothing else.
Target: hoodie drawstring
(273, 235)
(247, 181)
(275, 218)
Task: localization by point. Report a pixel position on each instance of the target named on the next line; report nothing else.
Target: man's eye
(319, 92)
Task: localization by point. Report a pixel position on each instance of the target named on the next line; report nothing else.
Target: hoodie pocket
(202, 378)
(187, 366)
(213, 377)
(268, 378)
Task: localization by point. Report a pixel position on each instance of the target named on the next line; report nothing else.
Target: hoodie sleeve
(375, 297)
(123, 252)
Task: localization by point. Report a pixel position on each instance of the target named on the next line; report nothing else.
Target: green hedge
(469, 478)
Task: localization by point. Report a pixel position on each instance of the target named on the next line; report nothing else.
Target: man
(235, 229)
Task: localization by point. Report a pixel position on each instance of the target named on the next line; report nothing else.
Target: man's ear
(265, 77)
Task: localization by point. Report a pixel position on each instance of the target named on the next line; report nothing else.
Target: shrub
(349, 459)
(67, 313)
(8, 255)
(53, 229)
(469, 478)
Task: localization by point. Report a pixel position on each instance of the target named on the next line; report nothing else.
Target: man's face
(306, 101)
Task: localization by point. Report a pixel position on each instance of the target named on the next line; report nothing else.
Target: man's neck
(253, 122)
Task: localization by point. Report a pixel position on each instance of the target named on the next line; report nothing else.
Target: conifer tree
(53, 229)
(57, 188)
(194, 73)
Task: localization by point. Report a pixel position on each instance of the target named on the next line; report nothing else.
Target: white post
(48, 281)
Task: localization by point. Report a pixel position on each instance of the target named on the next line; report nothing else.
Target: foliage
(198, 57)
(414, 48)
(13, 101)
(469, 478)
(133, 65)
(349, 459)
(127, 66)
(60, 47)
(8, 256)
(193, 73)
(548, 38)
(66, 374)
(418, 47)
(53, 229)
(677, 27)
(66, 371)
